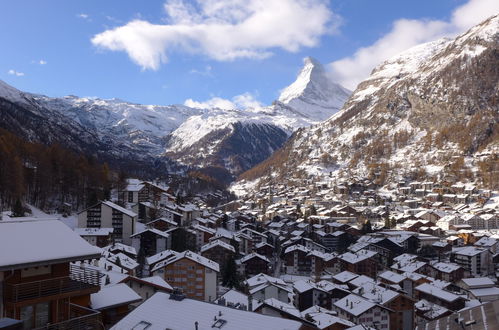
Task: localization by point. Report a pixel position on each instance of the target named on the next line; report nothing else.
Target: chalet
(151, 241)
(162, 224)
(99, 237)
(446, 271)
(218, 251)
(359, 310)
(138, 191)
(401, 307)
(308, 294)
(193, 273)
(295, 260)
(262, 287)
(146, 287)
(40, 284)
(254, 263)
(265, 249)
(439, 296)
(325, 319)
(106, 214)
(114, 302)
(363, 262)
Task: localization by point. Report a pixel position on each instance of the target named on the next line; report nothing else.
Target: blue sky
(168, 51)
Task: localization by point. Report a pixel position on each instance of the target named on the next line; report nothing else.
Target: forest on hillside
(50, 177)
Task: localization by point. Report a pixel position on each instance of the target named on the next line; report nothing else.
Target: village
(320, 255)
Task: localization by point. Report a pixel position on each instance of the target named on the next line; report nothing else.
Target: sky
(227, 53)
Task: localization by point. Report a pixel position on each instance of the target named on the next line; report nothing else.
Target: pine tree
(18, 209)
(230, 277)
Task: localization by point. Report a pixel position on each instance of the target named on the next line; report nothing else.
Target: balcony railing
(78, 279)
(81, 318)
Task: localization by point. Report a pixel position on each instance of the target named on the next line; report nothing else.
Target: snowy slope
(196, 137)
(414, 115)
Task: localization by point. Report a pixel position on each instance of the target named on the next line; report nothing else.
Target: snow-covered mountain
(431, 111)
(230, 141)
(314, 95)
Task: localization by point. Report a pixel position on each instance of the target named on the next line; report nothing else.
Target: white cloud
(222, 30)
(15, 73)
(405, 34)
(42, 62)
(205, 72)
(241, 102)
(82, 15)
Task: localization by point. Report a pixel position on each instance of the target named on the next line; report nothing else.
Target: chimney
(250, 303)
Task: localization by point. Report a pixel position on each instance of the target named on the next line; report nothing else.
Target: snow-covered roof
(160, 256)
(354, 304)
(113, 296)
(467, 251)
(154, 231)
(446, 267)
(120, 209)
(486, 292)
(254, 255)
(283, 307)
(188, 255)
(159, 313)
(93, 231)
(41, 242)
(217, 242)
(121, 247)
(476, 282)
(237, 299)
(354, 258)
(263, 278)
(437, 292)
(345, 276)
(392, 277)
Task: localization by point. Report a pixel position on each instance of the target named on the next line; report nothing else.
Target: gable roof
(41, 242)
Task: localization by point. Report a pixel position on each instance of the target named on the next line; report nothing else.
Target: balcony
(81, 318)
(79, 279)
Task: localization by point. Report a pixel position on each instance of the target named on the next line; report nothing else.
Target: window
(130, 197)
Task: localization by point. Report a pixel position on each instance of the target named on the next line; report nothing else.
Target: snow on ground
(37, 214)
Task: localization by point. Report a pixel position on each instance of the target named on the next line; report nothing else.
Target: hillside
(430, 112)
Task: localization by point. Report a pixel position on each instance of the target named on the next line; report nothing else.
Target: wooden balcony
(80, 280)
(81, 318)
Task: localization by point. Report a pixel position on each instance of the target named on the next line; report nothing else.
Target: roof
(485, 292)
(41, 242)
(160, 312)
(119, 208)
(154, 231)
(437, 292)
(282, 306)
(354, 304)
(392, 277)
(476, 282)
(353, 258)
(188, 255)
(113, 296)
(345, 276)
(215, 243)
(93, 231)
(254, 255)
(263, 278)
(237, 299)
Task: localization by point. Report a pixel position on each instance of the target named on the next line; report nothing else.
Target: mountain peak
(311, 70)
(313, 93)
